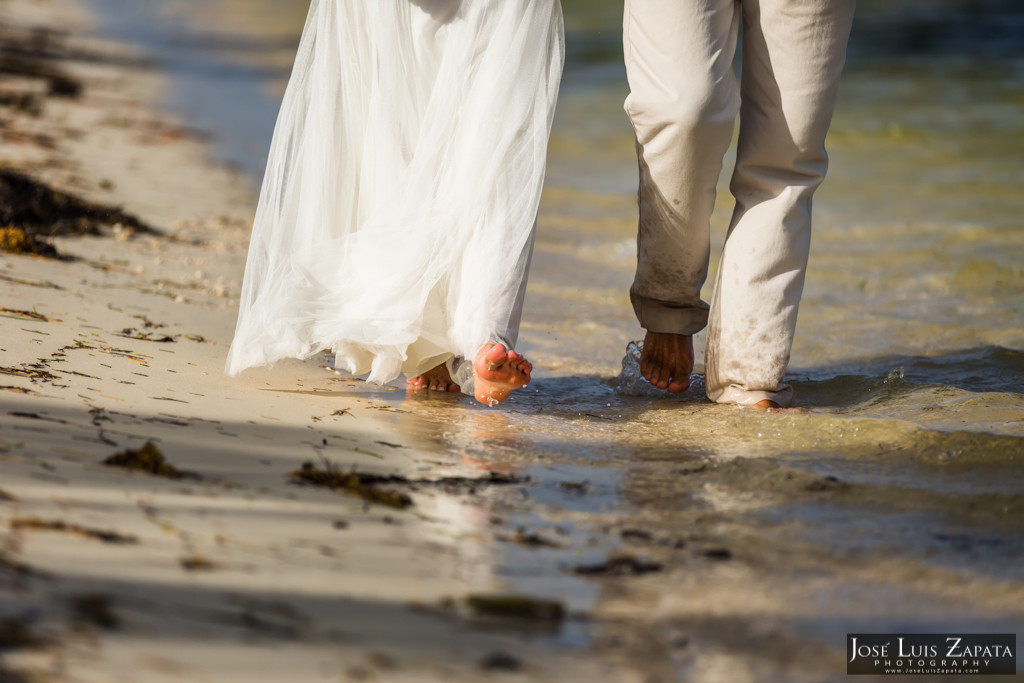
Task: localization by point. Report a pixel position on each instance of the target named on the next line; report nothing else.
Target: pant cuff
(738, 395)
(657, 316)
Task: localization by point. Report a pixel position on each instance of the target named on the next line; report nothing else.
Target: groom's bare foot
(769, 406)
(667, 361)
(498, 371)
(435, 379)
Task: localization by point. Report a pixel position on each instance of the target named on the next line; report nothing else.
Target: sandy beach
(232, 571)
(160, 521)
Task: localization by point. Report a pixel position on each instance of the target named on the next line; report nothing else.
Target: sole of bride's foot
(497, 372)
(435, 379)
(666, 361)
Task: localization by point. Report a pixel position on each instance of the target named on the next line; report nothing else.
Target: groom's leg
(682, 103)
(793, 53)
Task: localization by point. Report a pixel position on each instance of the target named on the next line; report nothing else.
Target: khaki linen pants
(683, 101)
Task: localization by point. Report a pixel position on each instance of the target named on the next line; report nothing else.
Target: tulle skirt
(397, 211)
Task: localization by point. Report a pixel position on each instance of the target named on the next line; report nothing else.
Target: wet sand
(657, 539)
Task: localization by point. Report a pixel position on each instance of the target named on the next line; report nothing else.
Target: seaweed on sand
(623, 565)
(362, 485)
(16, 634)
(31, 315)
(34, 371)
(17, 241)
(33, 205)
(31, 524)
(32, 212)
(29, 54)
(367, 485)
(132, 333)
(530, 539)
(516, 607)
(19, 570)
(94, 609)
(150, 460)
(196, 563)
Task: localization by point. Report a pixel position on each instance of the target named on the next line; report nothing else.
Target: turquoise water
(904, 483)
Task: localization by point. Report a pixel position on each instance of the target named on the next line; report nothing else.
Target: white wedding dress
(396, 218)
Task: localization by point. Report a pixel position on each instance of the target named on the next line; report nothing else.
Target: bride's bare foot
(497, 371)
(667, 361)
(435, 379)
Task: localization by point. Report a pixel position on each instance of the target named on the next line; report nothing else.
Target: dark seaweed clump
(361, 485)
(367, 485)
(23, 524)
(17, 634)
(148, 459)
(624, 565)
(17, 241)
(530, 539)
(32, 212)
(501, 661)
(516, 607)
(196, 563)
(95, 610)
(31, 54)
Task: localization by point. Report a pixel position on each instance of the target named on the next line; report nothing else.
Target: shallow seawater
(903, 480)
